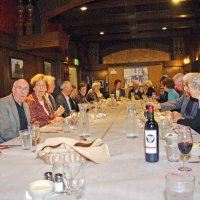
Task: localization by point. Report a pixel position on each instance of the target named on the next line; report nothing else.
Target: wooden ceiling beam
(63, 8)
(125, 36)
(127, 3)
(128, 27)
(140, 16)
(75, 14)
(38, 41)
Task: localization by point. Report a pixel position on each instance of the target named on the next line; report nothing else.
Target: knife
(197, 161)
(10, 145)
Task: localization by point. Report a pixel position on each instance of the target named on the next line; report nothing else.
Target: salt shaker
(48, 176)
(58, 182)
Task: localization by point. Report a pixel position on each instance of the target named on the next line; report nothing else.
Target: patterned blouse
(38, 114)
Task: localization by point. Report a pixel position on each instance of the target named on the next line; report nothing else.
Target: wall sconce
(196, 57)
(186, 60)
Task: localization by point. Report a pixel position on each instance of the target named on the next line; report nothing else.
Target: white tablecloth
(127, 176)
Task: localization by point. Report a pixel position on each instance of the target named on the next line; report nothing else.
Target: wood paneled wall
(32, 66)
(33, 62)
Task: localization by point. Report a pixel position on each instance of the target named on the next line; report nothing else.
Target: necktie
(53, 103)
(72, 104)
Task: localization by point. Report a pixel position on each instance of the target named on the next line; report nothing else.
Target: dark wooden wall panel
(33, 62)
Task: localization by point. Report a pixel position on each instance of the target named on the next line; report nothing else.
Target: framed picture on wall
(16, 68)
(47, 68)
(101, 81)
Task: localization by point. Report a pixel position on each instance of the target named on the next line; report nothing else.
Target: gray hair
(193, 79)
(178, 77)
(95, 84)
(50, 79)
(64, 84)
(148, 83)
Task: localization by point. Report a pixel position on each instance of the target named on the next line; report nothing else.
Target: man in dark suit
(118, 91)
(135, 91)
(65, 100)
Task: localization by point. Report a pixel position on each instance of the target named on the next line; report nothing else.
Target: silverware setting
(196, 161)
(11, 145)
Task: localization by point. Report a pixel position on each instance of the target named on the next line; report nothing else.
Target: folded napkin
(61, 148)
(51, 129)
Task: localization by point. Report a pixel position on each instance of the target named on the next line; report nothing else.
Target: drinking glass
(74, 173)
(74, 119)
(164, 127)
(35, 134)
(185, 143)
(25, 138)
(179, 186)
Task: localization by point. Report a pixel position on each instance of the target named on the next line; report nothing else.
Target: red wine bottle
(151, 137)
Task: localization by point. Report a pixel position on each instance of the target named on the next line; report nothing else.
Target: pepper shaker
(48, 176)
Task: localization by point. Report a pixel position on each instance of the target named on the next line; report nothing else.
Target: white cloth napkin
(91, 148)
(51, 129)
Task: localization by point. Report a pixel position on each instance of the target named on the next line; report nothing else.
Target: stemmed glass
(74, 175)
(185, 143)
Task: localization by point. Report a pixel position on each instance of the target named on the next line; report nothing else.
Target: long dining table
(127, 176)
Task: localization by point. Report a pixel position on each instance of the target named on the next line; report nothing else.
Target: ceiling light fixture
(83, 8)
(183, 16)
(101, 33)
(164, 28)
(176, 1)
(186, 60)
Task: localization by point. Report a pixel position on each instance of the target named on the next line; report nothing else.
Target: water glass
(164, 126)
(35, 135)
(179, 186)
(65, 126)
(173, 153)
(25, 137)
(73, 122)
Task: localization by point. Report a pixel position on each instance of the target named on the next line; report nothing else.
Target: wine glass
(185, 143)
(74, 177)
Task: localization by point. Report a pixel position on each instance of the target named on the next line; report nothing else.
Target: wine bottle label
(150, 141)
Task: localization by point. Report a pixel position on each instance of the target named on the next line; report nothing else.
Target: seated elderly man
(135, 90)
(94, 93)
(64, 99)
(178, 81)
(14, 111)
(185, 104)
(192, 83)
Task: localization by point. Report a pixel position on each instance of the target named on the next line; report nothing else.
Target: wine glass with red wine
(185, 143)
